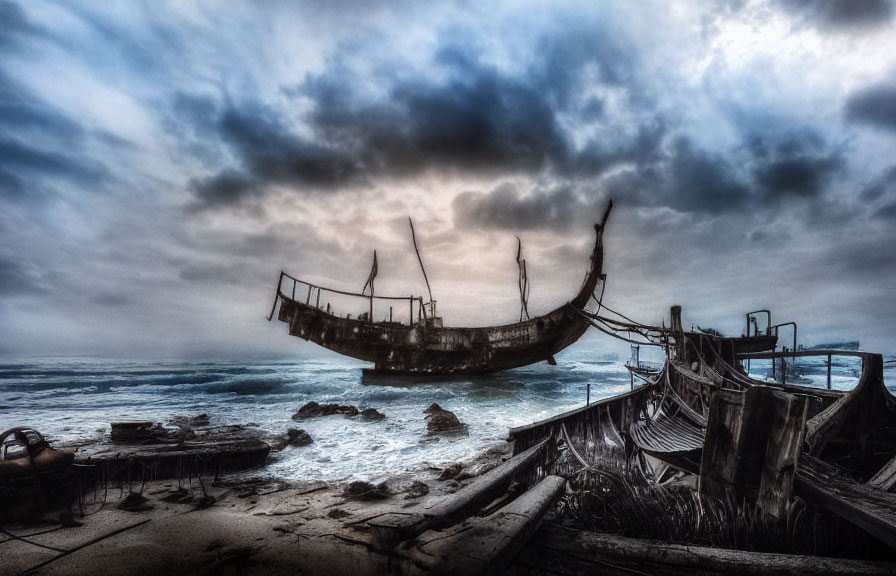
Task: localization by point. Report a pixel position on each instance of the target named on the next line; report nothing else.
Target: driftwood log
(486, 545)
(390, 529)
(558, 550)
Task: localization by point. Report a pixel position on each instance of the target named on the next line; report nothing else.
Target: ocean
(76, 399)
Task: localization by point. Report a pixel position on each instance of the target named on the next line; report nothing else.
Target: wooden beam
(487, 545)
(865, 506)
(719, 465)
(558, 550)
(782, 452)
(390, 529)
(885, 478)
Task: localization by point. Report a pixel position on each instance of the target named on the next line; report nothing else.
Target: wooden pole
(419, 259)
(829, 371)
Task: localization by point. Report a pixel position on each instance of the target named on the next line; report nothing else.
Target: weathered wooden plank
(487, 545)
(885, 477)
(719, 465)
(390, 529)
(782, 452)
(560, 550)
(865, 506)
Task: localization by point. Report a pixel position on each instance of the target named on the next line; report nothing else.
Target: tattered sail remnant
(423, 345)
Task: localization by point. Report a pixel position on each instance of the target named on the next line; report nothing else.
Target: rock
(417, 489)
(297, 437)
(441, 421)
(309, 410)
(450, 471)
(348, 411)
(329, 409)
(366, 491)
(313, 409)
(372, 414)
(134, 502)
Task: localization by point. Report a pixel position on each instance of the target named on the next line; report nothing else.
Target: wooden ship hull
(702, 422)
(425, 346)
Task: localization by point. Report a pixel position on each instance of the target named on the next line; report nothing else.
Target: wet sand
(253, 527)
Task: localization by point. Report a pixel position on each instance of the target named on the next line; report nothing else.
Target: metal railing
(805, 353)
(314, 291)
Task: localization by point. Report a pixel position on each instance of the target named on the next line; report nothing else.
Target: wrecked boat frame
(739, 439)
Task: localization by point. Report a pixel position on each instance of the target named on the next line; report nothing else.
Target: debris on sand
(361, 490)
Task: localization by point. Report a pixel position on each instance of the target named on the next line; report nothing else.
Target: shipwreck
(424, 345)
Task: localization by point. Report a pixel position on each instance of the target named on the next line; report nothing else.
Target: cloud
(507, 208)
(839, 14)
(797, 176)
(227, 188)
(464, 115)
(19, 279)
(15, 23)
(874, 106)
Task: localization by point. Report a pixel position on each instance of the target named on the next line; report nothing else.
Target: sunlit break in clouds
(160, 163)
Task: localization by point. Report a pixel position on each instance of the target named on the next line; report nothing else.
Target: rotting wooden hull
(427, 347)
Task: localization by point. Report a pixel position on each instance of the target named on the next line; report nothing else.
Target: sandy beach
(253, 526)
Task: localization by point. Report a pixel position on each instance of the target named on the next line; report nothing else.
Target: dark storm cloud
(841, 13)
(874, 106)
(797, 176)
(228, 187)
(469, 116)
(506, 207)
(702, 182)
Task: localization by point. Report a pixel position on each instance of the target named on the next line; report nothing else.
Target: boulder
(309, 410)
(295, 437)
(441, 421)
(313, 409)
(372, 414)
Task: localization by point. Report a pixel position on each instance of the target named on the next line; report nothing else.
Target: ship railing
(807, 353)
(291, 288)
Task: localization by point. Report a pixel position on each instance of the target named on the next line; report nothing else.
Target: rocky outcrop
(313, 409)
(372, 414)
(293, 437)
(441, 421)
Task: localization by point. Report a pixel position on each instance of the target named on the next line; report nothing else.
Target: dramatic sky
(160, 163)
